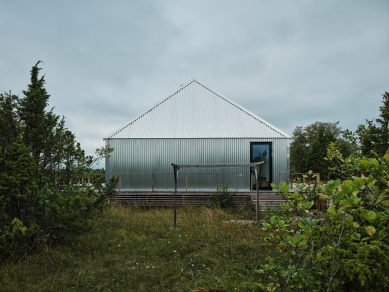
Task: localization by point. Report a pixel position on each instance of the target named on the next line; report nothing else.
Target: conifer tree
(32, 112)
(382, 135)
(374, 136)
(9, 122)
(41, 166)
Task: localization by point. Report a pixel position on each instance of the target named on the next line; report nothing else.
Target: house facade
(196, 125)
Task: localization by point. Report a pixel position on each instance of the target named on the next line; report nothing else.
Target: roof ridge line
(246, 111)
(141, 115)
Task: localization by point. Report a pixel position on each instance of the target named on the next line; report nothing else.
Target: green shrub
(344, 248)
(224, 198)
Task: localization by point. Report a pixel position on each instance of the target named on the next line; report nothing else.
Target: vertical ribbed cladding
(137, 159)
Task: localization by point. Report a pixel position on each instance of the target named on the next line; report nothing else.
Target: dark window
(261, 151)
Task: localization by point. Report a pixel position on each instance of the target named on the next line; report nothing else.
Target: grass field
(136, 249)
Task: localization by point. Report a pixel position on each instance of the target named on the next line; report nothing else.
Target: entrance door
(261, 151)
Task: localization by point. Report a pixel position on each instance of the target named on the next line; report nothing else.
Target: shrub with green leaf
(344, 248)
(224, 198)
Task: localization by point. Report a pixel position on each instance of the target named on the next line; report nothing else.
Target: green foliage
(41, 170)
(309, 146)
(342, 248)
(374, 136)
(224, 198)
(9, 128)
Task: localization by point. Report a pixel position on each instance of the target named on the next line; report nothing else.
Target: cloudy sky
(291, 62)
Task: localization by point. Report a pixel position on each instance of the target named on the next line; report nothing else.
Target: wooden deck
(267, 199)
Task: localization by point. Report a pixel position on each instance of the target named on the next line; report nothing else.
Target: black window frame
(270, 144)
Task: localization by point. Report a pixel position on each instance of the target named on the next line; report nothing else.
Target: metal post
(217, 182)
(175, 169)
(186, 182)
(152, 182)
(175, 204)
(257, 213)
(257, 175)
(251, 181)
(120, 183)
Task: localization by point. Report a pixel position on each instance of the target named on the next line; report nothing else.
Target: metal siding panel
(137, 159)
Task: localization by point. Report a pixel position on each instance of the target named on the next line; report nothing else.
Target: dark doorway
(262, 151)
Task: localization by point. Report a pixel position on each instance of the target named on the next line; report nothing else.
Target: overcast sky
(290, 62)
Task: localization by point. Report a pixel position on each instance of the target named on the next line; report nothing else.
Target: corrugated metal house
(196, 125)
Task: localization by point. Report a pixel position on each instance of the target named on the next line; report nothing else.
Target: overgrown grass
(136, 249)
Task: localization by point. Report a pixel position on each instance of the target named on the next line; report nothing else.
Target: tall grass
(136, 249)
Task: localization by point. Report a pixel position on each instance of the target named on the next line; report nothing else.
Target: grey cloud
(290, 62)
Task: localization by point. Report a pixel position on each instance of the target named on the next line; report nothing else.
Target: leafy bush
(344, 248)
(224, 198)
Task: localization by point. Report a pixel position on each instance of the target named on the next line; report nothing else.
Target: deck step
(267, 200)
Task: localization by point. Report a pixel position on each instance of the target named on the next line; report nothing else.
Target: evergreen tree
(374, 136)
(9, 122)
(32, 112)
(382, 139)
(41, 165)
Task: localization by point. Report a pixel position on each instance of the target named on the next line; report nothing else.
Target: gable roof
(196, 111)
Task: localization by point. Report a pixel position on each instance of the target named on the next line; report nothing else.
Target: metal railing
(189, 181)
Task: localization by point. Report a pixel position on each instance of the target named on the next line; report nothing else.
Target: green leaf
(285, 188)
(346, 203)
(267, 226)
(365, 163)
(273, 220)
(371, 215)
(331, 211)
(356, 236)
(370, 230)
(298, 237)
(307, 229)
(302, 242)
(355, 200)
(291, 241)
(349, 219)
(386, 157)
(318, 255)
(338, 196)
(362, 182)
